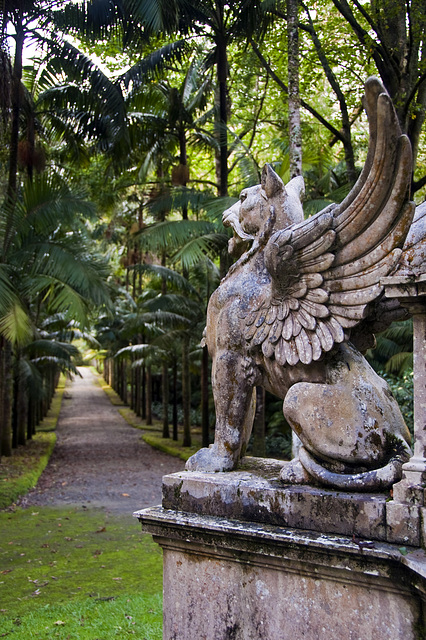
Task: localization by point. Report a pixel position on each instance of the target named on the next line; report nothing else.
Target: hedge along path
(99, 460)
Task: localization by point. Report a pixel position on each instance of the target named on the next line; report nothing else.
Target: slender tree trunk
(14, 132)
(31, 418)
(259, 427)
(183, 160)
(165, 399)
(295, 134)
(222, 96)
(175, 412)
(148, 392)
(132, 385)
(6, 382)
(186, 394)
(138, 391)
(205, 397)
(143, 399)
(20, 401)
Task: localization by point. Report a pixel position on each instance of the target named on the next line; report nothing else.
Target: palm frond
(39, 348)
(172, 234)
(197, 249)
(173, 278)
(15, 325)
(399, 363)
(146, 68)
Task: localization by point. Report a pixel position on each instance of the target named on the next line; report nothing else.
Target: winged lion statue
(291, 311)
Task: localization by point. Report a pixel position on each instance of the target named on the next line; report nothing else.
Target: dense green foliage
(126, 133)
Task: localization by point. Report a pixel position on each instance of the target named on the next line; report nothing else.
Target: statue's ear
(271, 182)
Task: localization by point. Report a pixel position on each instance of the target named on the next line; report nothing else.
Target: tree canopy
(128, 126)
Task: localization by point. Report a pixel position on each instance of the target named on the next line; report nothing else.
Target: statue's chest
(245, 289)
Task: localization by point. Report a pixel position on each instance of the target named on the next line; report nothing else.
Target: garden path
(99, 460)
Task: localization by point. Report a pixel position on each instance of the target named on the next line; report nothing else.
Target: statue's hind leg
(351, 427)
(233, 380)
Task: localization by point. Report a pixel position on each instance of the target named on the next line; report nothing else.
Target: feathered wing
(326, 270)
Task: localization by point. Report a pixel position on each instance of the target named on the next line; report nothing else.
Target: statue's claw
(293, 472)
(210, 460)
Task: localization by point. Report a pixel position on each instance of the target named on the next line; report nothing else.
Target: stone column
(409, 493)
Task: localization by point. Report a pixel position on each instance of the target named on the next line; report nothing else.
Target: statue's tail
(374, 480)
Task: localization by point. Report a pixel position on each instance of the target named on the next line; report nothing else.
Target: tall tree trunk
(14, 133)
(186, 393)
(175, 412)
(132, 386)
(148, 395)
(165, 399)
(205, 397)
(143, 398)
(183, 160)
(295, 134)
(222, 96)
(31, 412)
(20, 401)
(259, 427)
(138, 391)
(6, 386)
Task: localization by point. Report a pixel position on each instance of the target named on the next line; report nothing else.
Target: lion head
(270, 206)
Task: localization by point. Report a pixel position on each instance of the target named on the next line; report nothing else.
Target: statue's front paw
(209, 460)
(294, 473)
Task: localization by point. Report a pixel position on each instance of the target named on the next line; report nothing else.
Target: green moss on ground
(20, 473)
(75, 573)
(167, 445)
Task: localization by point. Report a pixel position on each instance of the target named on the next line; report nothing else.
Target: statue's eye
(243, 196)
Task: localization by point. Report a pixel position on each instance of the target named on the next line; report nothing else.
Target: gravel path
(99, 460)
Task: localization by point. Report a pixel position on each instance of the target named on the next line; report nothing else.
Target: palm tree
(222, 23)
(45, 267)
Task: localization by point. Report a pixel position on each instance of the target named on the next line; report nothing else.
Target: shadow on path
(99, 460)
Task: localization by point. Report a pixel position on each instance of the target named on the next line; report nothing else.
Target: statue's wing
(326, 270)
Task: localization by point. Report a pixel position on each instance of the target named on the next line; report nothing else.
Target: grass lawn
(77, 574)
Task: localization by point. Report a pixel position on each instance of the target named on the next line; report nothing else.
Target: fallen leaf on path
(125, 495)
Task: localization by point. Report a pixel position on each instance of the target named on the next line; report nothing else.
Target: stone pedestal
(248, 559)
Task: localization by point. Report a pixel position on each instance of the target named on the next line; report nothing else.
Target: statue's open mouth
(238, 243)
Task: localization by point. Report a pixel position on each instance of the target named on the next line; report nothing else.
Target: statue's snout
(232, 214)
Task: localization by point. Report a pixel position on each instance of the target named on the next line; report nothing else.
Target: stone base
(246, 558)
(233, 580)
(255, 494)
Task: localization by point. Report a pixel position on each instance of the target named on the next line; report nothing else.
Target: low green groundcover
(77, 574)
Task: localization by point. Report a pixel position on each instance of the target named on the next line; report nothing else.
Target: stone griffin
(294, 307)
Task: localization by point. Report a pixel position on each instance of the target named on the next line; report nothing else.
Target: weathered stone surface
(229, 580)
(253, 498)
(403, 524)
(300, 291)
